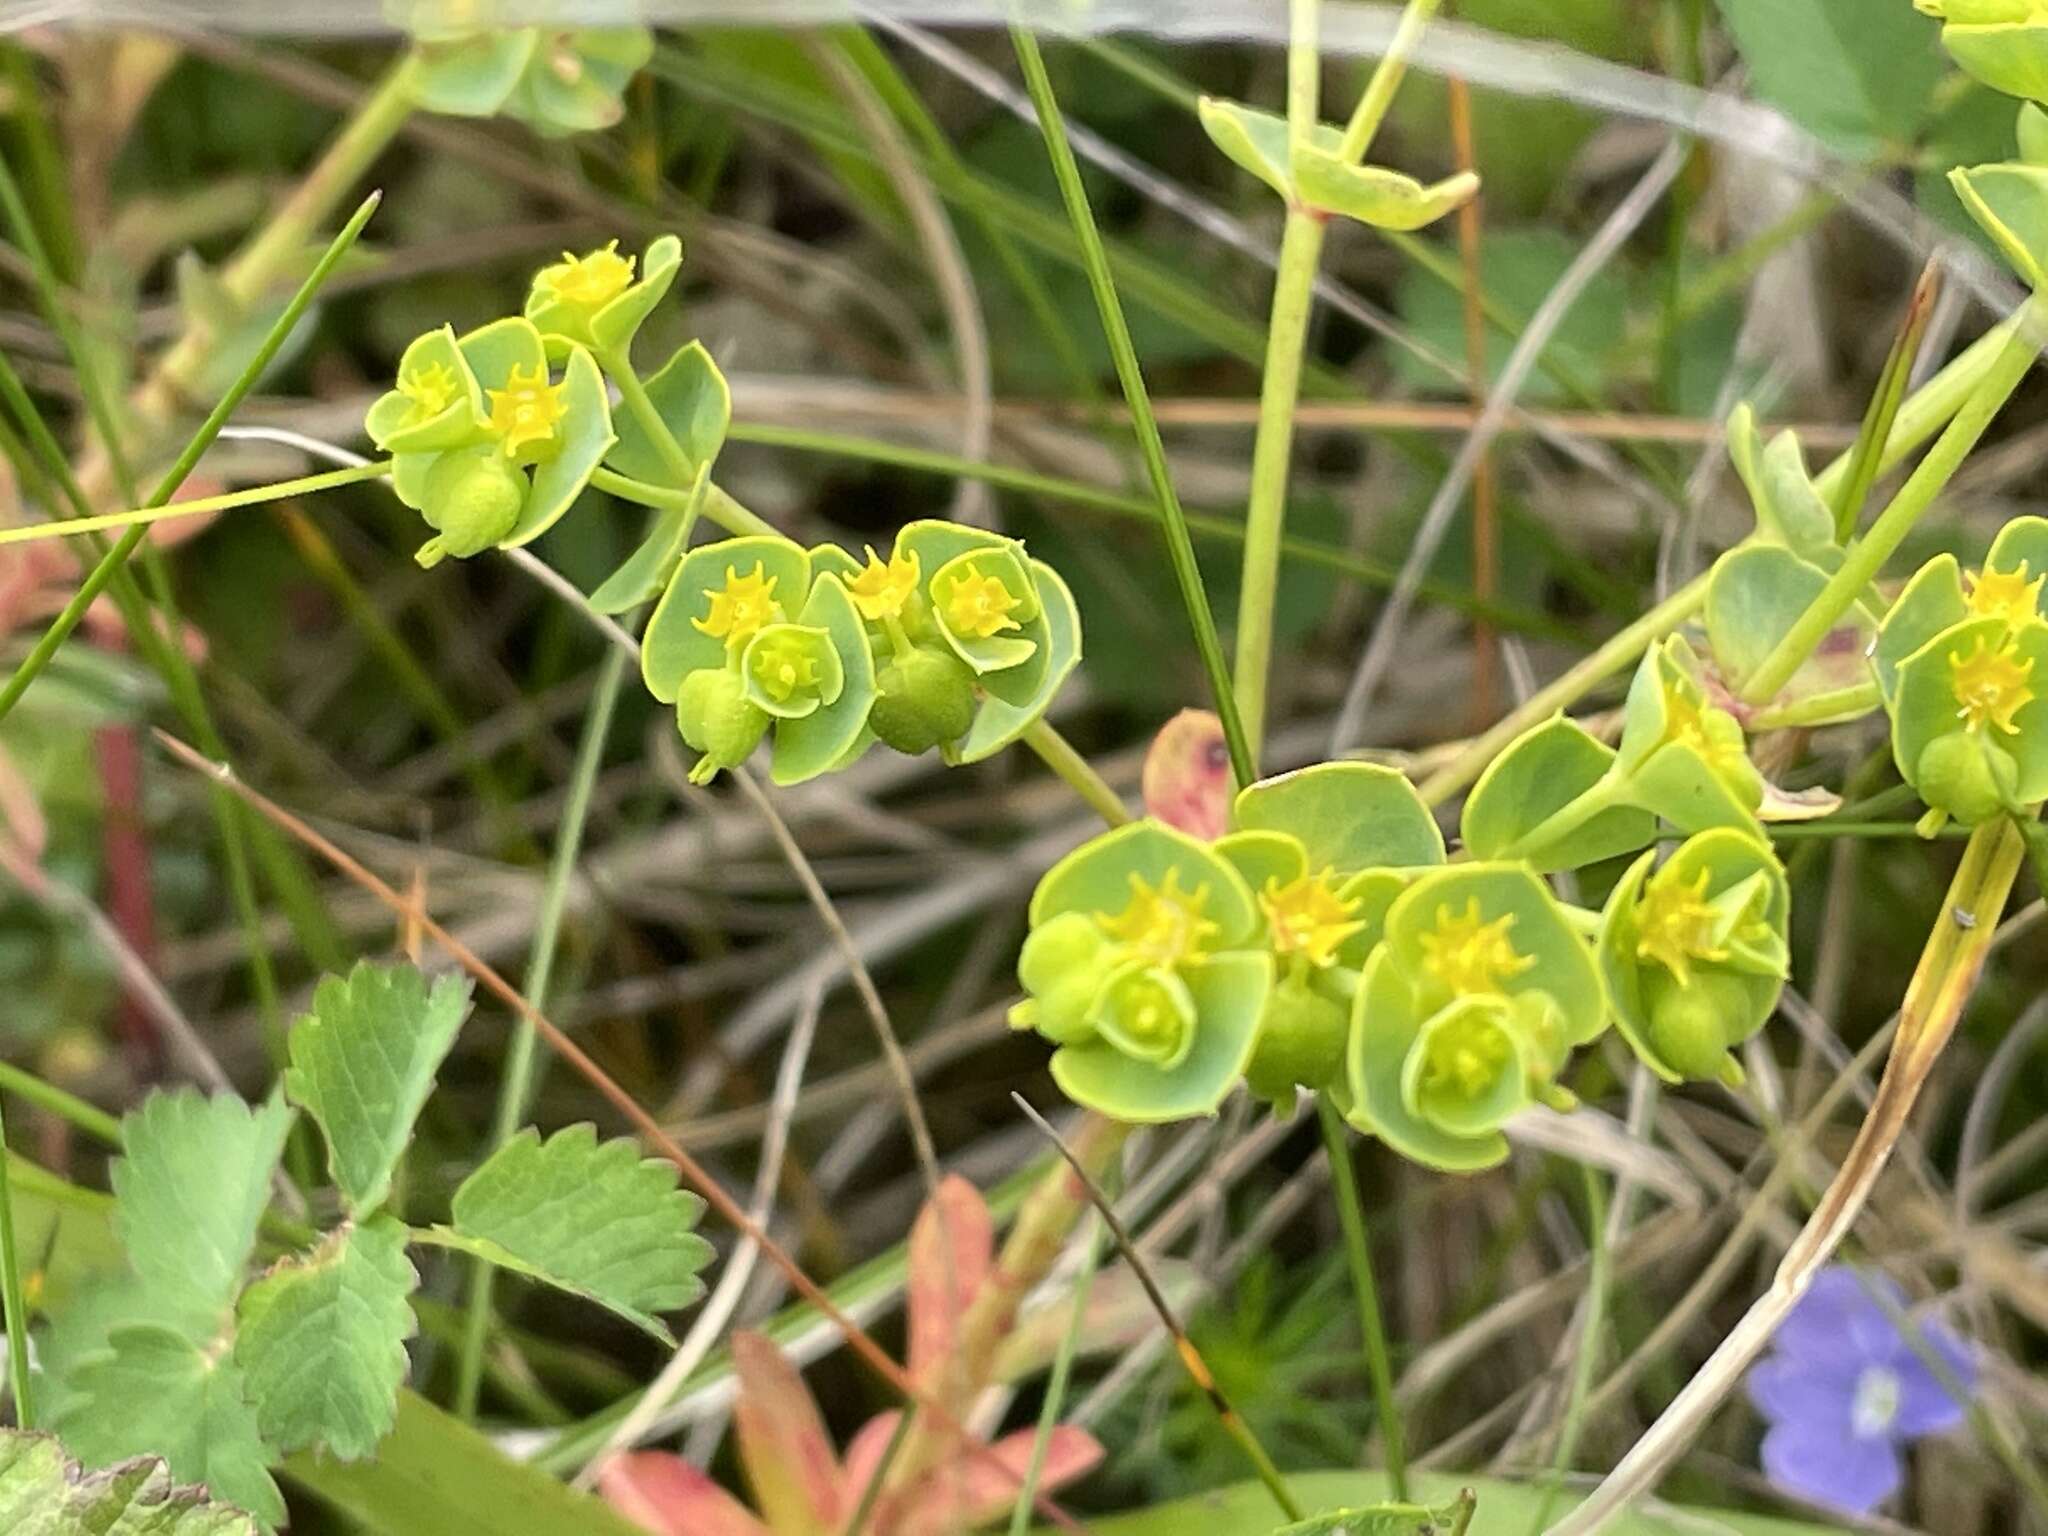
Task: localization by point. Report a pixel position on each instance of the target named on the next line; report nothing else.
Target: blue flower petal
(1925, 1406)
(1818, 1396)
(1828, 1468)
(1838, 1318)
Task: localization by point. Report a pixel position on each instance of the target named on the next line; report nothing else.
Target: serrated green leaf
(190, 1189)
(156, 1393)
(44, 1493)
(362, 1064)
(322, 1341)
(593, 1218)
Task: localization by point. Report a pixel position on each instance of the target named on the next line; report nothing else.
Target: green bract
(2012, 585)
(1694, 954)
(1970, 719)
(2009, 201)
(1790, 509)
(1560, 799)
(557, 81)
(971, 637)
(746, 639)
(596, 300)
(1142, 967)
(2004, 43)
(1473, 999)
(484, 443)
(1325, 850)
(1317, 176)
(1755, 595)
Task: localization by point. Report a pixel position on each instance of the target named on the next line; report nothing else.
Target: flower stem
(1620, 652)
(515, 1085)
(1818, 709)
(1358, 1249)
(1301, 249)
(2015, 357)
(1372, 107)
(719, 504)
(1095, 259)
(14, 1294)
(1058, 754)
(305, 485)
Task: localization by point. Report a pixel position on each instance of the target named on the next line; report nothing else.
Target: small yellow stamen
(2006, 595)
(527, 409)
(881, 591)
(1675, 926)
(1991, 686)
(591, 281)
(1163, 924)
(1470, 955)
(431, 389)
(1308, 918)
(979, 606)
(741, 608)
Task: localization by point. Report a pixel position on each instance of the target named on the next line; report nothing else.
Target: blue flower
(1844, 1391)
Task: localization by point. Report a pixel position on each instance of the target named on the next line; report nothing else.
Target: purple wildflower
(1844, 1391)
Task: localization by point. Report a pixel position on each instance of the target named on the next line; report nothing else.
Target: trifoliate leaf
(190, 1189)
(156, 1393)
(363, 1063)
(44, 1493)
(322, 1341)
(595, 1219)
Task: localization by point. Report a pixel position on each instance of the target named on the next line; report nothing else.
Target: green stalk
(1372, 107)
(1180, 546)
(305, 485)
(2014, 359)
(13, 1294)
(89, 1118)
(1058, 754)
(719, 506)
(1301, 251)
(1372, 1324)
(1617, 654)
(1056, 1383)
(515, 1085)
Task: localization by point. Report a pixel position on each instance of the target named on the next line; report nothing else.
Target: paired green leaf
(362, 1064)
(322, 1341)
(594, 1218)
(156, 1393)
(44, 1493)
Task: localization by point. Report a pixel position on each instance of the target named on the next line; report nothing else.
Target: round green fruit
(473, 500)
(923, 699)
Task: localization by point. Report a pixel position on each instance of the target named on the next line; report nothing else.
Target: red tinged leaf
(967, 1494)
(788, 1456)
(666, 1495)
(952, 1247)
(1187, 775)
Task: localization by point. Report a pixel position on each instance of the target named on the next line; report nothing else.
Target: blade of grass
(1056, 1382)
(254, 496)
(1190, 1357)
(1885, 400)
(14, 1295)
(96, 580)
(1180, 546)
(1599, 1274)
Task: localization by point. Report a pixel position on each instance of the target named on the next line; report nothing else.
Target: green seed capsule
(1301, 1041)
(473, 499)
(1690, 1026)
(1063, 966)
(716, 717)
(925, 697)
(1970, 778)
